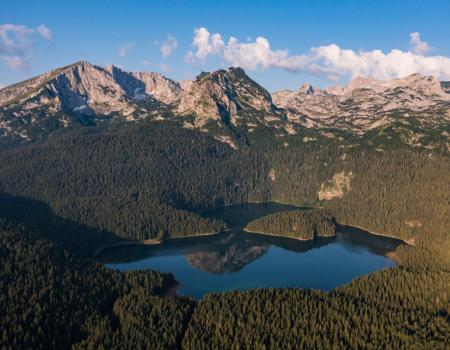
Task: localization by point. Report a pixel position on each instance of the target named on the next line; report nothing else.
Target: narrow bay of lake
(240, 260)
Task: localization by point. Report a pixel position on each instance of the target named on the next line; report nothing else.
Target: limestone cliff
(226, 96)
(365, 103)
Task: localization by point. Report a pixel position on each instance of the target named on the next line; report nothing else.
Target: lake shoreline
(379, 234)
(148, 242)
(172, 291)
(153, 242)
(410, 243)
(297, 238)
(229, 205)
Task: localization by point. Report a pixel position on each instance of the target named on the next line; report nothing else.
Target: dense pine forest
(62, 199)
(297, 224)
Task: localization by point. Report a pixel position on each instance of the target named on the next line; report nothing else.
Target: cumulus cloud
(250, 55)
(169, 45)
(45, 32)
(419, 47)
(17, 63)
(19, 47)
(189, 75)
(123, 50)
(145, 63)
(166, 68)
(2, 86)
(14, 43)
(330, 62)
(337, 62)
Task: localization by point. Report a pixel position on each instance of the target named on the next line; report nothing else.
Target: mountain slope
(412, 112)
(81, 94)
(366, 103)
(226, 96)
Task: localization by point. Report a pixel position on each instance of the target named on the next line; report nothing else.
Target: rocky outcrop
(27, 87)
(365, 103)
(84, 93)
(337, 187)
(140, 85)
(285, 98)
(86, 89)
(225, 96)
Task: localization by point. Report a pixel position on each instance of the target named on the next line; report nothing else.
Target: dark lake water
(239, 260)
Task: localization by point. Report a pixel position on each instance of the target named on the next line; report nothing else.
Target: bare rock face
(209, 97)
(140, 85)
(364, 103)
(10, 92)
(82, 85)
(337, 187)
(285, 98)
(80, 92)
(221, 95)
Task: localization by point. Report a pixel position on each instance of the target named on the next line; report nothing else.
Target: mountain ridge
(226, 103)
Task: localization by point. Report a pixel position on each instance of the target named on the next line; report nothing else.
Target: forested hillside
(297, 224)
(54, 299)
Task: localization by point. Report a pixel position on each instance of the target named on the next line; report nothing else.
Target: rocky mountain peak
(308, 89)
(366, 103)
(87, 89)
(285, 98)
(223, 95)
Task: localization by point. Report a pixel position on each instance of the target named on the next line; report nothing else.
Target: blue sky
(321, 42)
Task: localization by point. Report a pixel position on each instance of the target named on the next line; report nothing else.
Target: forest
(62, 199)
(303, 224)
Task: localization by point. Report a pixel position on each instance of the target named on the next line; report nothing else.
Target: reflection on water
(230, 254)
(241, 260)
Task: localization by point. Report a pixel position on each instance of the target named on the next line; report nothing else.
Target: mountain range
(414, 110)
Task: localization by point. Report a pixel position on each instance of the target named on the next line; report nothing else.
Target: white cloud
(45, 32)
(14, 43)
(189, 75)
(328, 61)
(169, 45)
(8, 46)
(2, 86)
(419, 47)
(248, 56)
(123, 50)
(145, 63)
(156, 42)
(166, 68)
(119, 66)
(17, 63)
(337, 62)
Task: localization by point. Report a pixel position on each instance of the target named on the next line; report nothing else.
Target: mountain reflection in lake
(241, 260)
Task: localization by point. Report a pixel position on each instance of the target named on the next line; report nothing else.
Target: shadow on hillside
(40, 218)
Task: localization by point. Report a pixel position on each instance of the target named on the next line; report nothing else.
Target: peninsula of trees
(301, 224)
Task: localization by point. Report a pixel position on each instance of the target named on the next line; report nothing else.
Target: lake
(236, 259)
